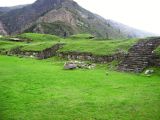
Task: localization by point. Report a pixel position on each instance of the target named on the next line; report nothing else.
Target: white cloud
(142, 14)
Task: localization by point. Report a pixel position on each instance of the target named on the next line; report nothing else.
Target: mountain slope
(17, 20)
(63, 18)
(7, 9)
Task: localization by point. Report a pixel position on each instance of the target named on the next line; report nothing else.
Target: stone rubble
(77, 64)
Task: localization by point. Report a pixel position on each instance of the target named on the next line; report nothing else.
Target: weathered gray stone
(140, 56)
(90, 57)
(148, 72)
(78, 64)
(46, 53)
(70, 66)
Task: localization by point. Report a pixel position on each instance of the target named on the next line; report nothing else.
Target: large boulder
(148, 72)
(76, 64)
(70, 66)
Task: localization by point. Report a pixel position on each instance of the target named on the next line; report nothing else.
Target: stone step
(139, 55)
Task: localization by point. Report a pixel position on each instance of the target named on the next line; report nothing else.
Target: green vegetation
(38, 46)
(8, 45)
(81, 36)
(158, 51)
(38, 42)
(58, 28)
(41, 90)
(39, 37)
(102, 47)
(80, 43)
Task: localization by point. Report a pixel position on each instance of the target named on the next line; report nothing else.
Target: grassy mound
(99, 47)
(38, 42)
(76, 43)
(8, 45)
(39, 37)
(38, 46)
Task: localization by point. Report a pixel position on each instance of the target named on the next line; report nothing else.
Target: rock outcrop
(2, 30)
(140, 56)
(17, 20)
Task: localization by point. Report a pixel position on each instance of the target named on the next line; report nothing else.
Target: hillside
(62, 18)
(78, 43)
(4, 10)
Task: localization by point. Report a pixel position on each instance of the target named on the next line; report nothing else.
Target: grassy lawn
(41, 90)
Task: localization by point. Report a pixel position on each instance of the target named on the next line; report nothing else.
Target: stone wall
(141, 56)
(49, 52)
(3, 52)
(155, 61)
(46, 53)
(90, 57)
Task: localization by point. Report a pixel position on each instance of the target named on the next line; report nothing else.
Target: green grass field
(41, 90)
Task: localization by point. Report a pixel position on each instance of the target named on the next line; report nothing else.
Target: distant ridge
(62, 18)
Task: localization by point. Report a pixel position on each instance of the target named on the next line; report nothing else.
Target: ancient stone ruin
(84, 56)
(44, 54)
(141, 56)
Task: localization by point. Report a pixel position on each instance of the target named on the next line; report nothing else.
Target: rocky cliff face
(2, 30)
(63, 17)
(19, 19)
(80, 20)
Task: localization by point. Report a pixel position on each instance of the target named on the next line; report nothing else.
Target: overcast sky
(142, 14)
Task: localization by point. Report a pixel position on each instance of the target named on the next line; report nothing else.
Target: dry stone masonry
(84, 56)
(44, 54)
(140, 56)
